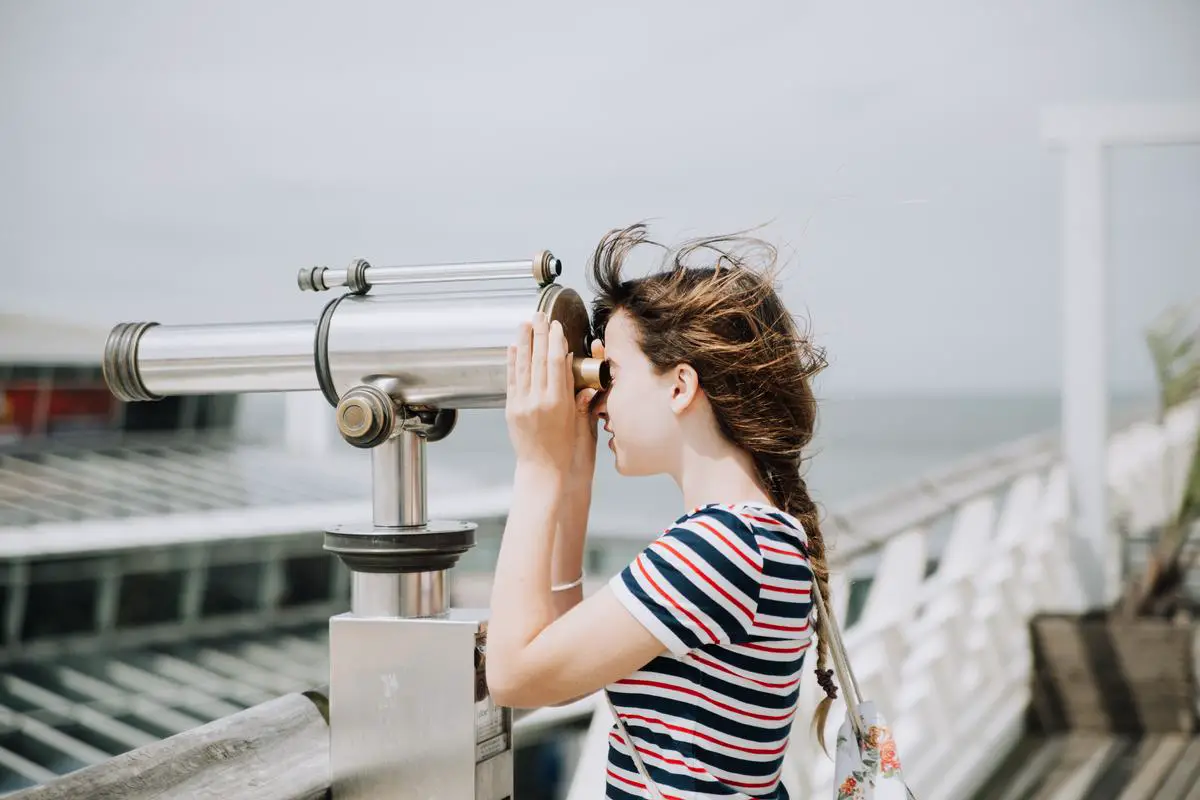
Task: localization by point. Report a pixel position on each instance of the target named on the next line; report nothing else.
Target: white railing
(945, 651)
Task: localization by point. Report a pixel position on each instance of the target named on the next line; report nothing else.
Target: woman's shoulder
(757, 520)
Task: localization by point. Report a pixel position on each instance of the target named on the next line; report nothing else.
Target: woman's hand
(540, 405)
(583, 462)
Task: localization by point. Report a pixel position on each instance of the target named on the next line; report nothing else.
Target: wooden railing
(278, 750)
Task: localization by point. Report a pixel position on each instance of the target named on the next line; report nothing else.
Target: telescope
(396, 354)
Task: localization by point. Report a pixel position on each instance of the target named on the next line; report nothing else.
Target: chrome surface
(392, 595)
(446, 351)
(384, 674)
(224, 358)
(399, 492)
(436, 349)
(544, 268)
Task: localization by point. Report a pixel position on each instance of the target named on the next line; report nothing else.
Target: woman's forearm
(569, 545)
(521, 606)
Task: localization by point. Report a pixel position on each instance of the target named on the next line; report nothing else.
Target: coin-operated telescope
(396, 354)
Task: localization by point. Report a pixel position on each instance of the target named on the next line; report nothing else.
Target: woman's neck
(718, 473)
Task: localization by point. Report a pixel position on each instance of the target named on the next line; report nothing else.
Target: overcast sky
(188, 158)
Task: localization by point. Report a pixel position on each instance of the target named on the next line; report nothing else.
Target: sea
(864, 443)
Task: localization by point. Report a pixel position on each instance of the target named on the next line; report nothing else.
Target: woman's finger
(537, 368)
(524, 346)
(597, 349)
(556, 359)
(511, 370)
(583, 400)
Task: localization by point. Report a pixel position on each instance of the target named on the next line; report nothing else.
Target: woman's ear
(685, 386)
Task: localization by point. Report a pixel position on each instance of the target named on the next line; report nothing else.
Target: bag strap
(841, 662)
(845, 675)
(655, 794)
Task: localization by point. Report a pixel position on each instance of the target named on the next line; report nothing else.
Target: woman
(701, 640)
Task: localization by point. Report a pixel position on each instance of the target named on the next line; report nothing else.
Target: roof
(28, 339)
(157, 491)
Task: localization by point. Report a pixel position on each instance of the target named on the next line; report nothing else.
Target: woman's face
(637, 408)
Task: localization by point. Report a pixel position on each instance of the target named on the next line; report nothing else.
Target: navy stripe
(646, 705)
(712, 557)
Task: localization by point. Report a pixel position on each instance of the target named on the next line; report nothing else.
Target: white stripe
(683, 602)
(739, 714)
(712, 572)
(732, 546)
(773, 655)
(739, 677)
(724, 745)
(644, 615)
(652, 754)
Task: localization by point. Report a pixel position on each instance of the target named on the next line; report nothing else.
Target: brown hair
(755, 366)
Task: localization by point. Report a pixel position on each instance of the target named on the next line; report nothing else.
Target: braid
(789, 491)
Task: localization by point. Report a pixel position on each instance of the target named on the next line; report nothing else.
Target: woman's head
(706, 343)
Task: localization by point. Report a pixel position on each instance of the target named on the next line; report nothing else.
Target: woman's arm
(570, 538)
(535, 657)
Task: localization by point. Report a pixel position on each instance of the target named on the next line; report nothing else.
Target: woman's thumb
(584, 399)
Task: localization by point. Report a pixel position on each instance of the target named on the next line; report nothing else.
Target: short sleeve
(697, 584)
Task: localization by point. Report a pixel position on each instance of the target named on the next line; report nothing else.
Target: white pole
(1085, 380)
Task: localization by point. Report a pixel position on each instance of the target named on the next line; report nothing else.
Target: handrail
(277, 750)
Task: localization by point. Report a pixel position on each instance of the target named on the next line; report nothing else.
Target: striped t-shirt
(727, 592)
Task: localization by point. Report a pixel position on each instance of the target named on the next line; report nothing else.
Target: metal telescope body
(396, 355)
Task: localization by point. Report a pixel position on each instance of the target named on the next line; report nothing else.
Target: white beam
(1145, 123)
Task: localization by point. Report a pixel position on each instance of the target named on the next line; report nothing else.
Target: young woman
(701, 640)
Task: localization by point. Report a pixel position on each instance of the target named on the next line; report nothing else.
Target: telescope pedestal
(410, 717)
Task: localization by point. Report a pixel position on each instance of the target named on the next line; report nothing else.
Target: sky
(179, 163)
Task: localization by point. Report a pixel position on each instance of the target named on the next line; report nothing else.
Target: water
(864, 443)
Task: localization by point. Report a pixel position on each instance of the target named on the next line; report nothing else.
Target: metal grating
(163, 491)
(154, 478)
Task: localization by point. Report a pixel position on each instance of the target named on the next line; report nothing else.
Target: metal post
(399, 497)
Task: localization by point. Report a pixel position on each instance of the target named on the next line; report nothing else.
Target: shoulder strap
(841, 662)
(655, 794)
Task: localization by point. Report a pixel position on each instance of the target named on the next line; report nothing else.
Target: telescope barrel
(443, 350)
(148, 361)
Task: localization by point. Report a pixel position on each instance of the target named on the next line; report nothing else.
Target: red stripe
(714, 665)
(647, 750)
(785, 589)
(749, 614)
(763, 519)
(787, 628)
(756, 567)
(701, 735)
(670, 600)
(707, 699)
(778, 551)
(763, 647)
(638, 785)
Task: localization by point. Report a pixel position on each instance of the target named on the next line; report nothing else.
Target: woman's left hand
(540, 404)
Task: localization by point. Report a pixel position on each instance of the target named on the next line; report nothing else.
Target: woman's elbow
(507, 686)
